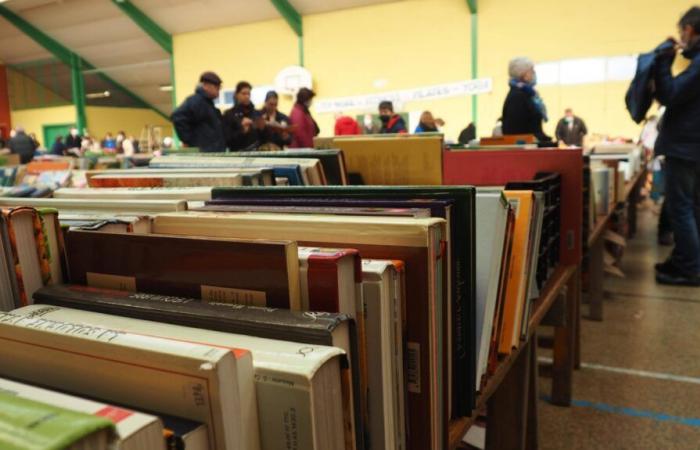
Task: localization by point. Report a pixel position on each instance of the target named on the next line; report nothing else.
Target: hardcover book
(256, 273)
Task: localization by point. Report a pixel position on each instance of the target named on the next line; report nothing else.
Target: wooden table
(511, 394)
(596, 245)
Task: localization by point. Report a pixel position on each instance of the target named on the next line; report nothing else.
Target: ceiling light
(166, 87)
(92, 95)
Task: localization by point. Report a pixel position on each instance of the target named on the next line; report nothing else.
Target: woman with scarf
(524, 110)
(300, 117)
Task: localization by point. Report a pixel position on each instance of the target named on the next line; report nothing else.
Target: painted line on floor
(634, 372)
(655, 297)
(632, 412)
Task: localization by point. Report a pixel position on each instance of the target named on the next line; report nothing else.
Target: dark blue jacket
(198, 123)
(679, 134)
(640, 94)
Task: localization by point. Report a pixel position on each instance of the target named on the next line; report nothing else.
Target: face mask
(569, 119)
(74, 133)
(368, 122)
(384, 119)
(534, 80)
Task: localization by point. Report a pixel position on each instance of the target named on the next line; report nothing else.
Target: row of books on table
(309, 317)
(41, 177)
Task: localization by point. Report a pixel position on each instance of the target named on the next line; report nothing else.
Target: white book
(126, 193)
(491, 223)
(93, 205)
(298, 386)
(205, 383)
(135, 430)
(383, 298)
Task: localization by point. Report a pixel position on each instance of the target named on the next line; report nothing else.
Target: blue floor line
(632, 412)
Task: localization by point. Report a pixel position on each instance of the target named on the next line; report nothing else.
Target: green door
(51, 132)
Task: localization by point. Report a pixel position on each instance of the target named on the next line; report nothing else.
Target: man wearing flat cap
(197, 121)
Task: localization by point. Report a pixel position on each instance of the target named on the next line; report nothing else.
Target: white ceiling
(98, 31)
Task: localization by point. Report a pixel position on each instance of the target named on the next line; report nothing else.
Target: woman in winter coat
(306, 126)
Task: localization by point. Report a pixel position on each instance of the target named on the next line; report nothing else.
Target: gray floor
(640, 384)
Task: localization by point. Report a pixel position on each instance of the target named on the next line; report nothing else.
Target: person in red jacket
(306, 126)
(346, 126)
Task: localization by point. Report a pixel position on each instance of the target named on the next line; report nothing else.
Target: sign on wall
(369, 102)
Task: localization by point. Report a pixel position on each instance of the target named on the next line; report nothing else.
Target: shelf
(459, 427)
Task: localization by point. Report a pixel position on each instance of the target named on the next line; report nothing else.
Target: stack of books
(265, 317)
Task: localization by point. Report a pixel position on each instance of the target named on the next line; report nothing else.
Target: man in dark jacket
(23, 145)
(197, 121)
(679, 140)
(571, 129)
(391, 123)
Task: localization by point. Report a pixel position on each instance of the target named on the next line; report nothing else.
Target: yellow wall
(550, 30)
(252, 52)
(409, 44)
(33, 120)
(130, 120)
(416, 43)
(100, 120)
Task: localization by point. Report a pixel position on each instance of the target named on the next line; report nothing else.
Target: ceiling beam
(472, 6)
(68, 57)
(148, 25)
(290, 14)
(294, 20)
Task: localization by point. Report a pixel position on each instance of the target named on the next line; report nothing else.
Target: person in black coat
(197, 121)
(276, 123)
(244, 127)
(23, 145)
(524, 111)
(679, 141)
(73, 140)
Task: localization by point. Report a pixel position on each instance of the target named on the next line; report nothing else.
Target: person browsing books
(243, 125)
(23, 145)
(300, 117)
(679, 142)
(277, 132)
(524, 111)
(197, 121)
(391, 123)
(428, 124)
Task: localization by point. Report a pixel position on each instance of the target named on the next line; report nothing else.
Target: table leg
(532, 442)
(508, 407)
(596, 274)
(564, 351)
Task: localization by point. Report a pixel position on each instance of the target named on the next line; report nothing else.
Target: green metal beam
(78, 89)
(67, 56)
(474, 54)
(159, 35)
(294, 20)
(290, 14)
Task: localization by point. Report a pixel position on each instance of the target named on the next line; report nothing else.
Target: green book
(463, 255)
(30, 425)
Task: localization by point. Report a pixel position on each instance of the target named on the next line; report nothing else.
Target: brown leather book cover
(253, 273)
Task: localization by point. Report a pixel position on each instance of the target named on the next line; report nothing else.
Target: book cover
(418, 242)
(129, 180)
(462, 279)
(293, 172)
(189, 194)
(112, 206)
(517, 288)
(194, 381)
(23, 229)
(255, 273)
(132, 427)
(26, 423)
(286, 375)
(314, 328)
